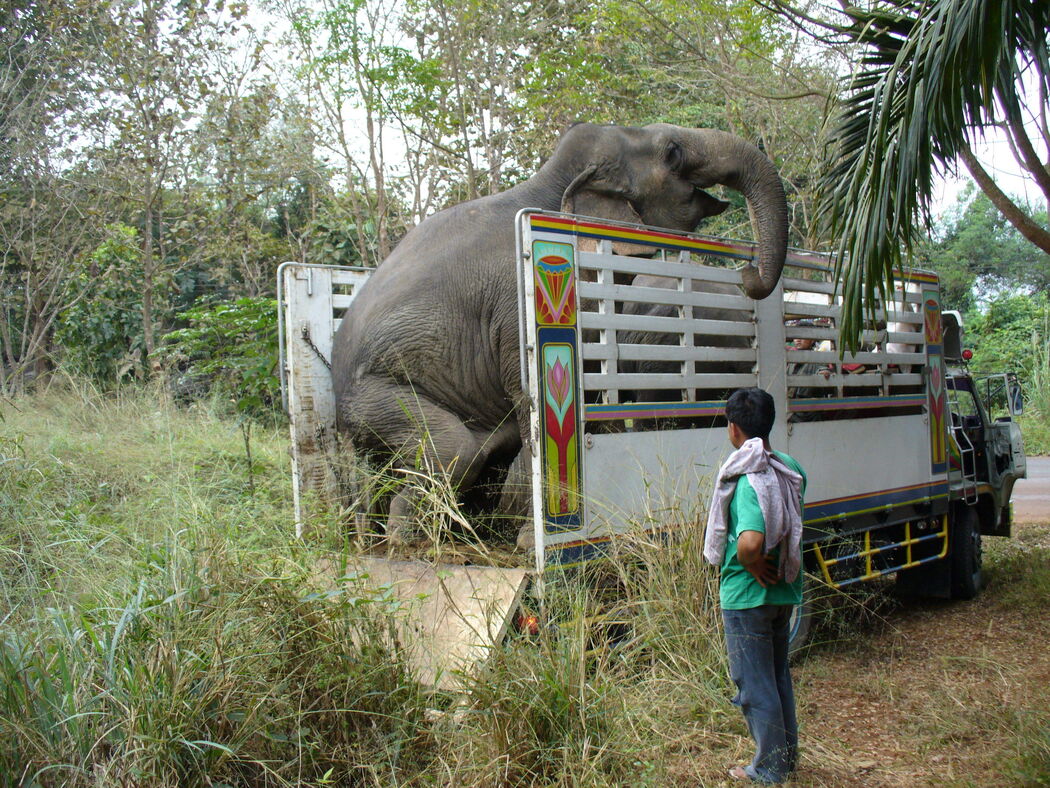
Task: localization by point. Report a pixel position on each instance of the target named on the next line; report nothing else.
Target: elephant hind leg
(420, 435)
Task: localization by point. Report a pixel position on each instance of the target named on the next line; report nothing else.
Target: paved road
(1031, 496)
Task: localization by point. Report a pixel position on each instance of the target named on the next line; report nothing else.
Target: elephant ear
(592, 195)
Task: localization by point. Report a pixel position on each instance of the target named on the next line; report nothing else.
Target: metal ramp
(447, 618)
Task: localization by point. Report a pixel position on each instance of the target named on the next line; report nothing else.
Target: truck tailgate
(452, 615)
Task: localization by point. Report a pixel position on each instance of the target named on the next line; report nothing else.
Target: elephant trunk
(736, 163)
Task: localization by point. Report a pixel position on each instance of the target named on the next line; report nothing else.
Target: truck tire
(966, 553)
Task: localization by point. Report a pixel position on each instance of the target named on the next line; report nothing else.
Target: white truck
(627, 358)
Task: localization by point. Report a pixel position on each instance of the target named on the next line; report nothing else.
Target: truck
(632, 337)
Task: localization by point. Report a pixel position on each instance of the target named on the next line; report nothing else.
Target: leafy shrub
(101, 333)
(231, 349)
(1012, 335)
(1002, 334)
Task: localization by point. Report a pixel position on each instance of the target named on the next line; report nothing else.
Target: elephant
(698, 313)
(426, 360)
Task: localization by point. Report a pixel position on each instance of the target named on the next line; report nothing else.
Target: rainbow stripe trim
(574, 553)
(665, 410)
(689, 242)
(582, 550)
(820, 404)
(663, 239)
(916, 276)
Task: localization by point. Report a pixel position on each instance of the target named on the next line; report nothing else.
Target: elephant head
(656, 175)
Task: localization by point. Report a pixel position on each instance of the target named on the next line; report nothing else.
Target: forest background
(160, 158)
(158, 623)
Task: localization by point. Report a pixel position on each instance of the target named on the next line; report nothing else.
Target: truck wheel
(801, 621)
(966, 553)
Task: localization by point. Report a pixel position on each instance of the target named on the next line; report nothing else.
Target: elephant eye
(674, 156)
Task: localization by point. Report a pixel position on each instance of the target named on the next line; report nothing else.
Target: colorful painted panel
(935, 364)
(561, 458)
(555, 273)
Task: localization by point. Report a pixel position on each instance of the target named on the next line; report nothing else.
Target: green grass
(1035, 429)
(159, 625)
(1035, 423)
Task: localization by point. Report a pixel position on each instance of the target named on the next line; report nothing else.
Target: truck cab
(986, 451)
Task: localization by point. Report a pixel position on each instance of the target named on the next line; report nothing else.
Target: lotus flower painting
(561, 446)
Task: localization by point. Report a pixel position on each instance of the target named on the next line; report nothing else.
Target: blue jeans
(757, 640)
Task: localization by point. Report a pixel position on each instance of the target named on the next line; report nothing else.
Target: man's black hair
(753, 411)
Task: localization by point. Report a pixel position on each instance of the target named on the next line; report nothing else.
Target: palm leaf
(932, 74)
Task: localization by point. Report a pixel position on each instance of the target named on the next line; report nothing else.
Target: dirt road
(934, 693)
(930, 693)
(1031, 496)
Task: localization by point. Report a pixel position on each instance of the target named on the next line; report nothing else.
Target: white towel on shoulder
(778, 488)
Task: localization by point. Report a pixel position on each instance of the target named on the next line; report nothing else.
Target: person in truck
(754, 535)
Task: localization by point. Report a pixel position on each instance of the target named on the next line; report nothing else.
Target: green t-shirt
(738, 589)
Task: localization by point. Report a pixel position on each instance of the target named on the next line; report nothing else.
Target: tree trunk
(147, 279)
(1029, 229)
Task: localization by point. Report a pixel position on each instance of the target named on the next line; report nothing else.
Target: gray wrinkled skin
(430, 344)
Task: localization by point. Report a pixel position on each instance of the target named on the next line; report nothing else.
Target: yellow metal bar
(944, 536)
(824, 565)
(868, 551)
(907, 542)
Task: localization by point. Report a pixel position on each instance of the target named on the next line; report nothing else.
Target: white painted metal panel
(662, 266)
(664, 295)
(667, 352)
(648, 478)
(858, 456)
(677, 325)
(307, 324)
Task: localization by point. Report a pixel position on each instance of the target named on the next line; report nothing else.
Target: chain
(313, 347)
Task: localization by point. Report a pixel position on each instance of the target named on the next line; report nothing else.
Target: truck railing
(656, 328)
(967, 452)
(864, 557)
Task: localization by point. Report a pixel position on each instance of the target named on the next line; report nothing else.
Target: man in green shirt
(754, 534)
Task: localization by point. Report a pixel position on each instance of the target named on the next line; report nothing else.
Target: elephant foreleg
(426, 441)
(516, 496)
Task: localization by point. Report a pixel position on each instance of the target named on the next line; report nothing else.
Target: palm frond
(932, 74)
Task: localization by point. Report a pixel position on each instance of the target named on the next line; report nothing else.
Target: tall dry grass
(160, 626)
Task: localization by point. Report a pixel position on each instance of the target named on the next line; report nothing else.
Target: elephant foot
(526, 538)
(401, 526)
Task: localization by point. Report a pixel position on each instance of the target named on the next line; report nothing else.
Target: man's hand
(749, 552)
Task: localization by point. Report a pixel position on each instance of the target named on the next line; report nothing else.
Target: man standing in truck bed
(754, 534)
